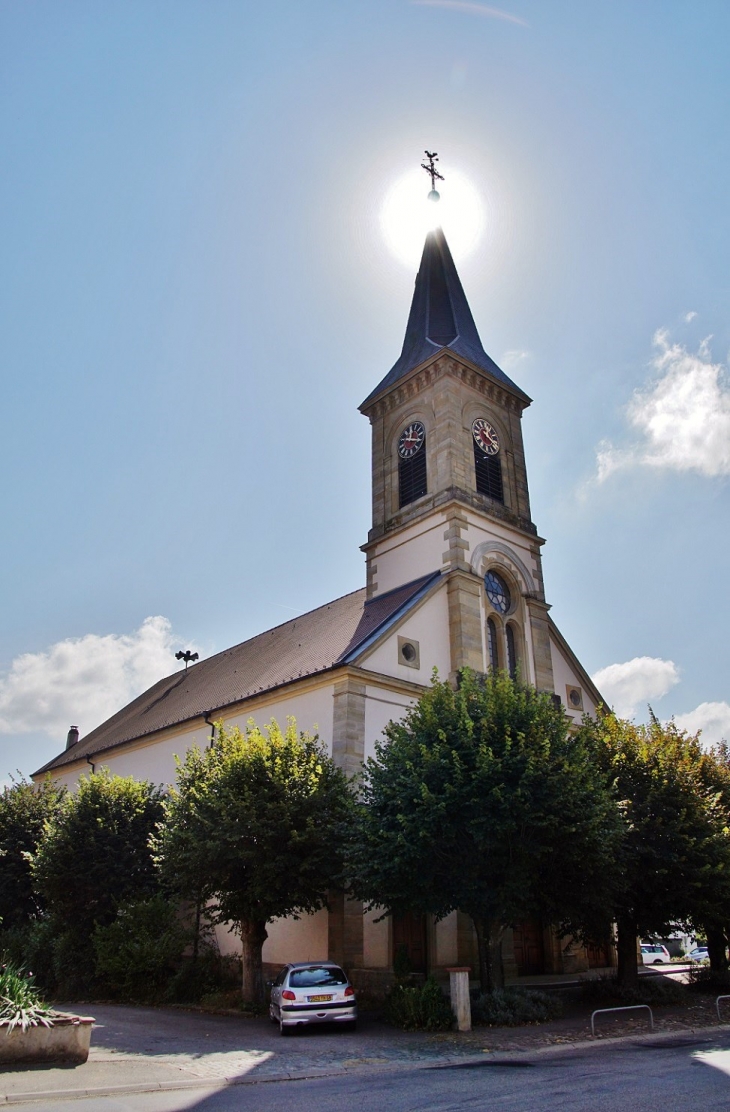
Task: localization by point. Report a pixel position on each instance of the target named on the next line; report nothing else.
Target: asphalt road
(643, 1077)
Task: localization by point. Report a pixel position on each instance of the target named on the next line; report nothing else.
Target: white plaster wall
(313, 711)
(302, 939)
(376, 941)
(429, 625)
(381, 706)
(446, 941)
(564, 673)
(485, 529)
(417, 551)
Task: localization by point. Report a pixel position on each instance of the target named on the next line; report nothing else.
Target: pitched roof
(440, 318)
(305, 646)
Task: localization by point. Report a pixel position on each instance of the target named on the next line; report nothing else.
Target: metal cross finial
(430, 168)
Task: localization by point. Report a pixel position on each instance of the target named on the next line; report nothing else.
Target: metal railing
(626, 1008)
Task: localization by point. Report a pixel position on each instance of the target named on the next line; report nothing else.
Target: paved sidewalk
(142, 1049)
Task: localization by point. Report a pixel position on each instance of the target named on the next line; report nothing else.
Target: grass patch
(514, 1007)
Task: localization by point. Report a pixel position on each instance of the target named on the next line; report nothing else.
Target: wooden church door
(409, 930)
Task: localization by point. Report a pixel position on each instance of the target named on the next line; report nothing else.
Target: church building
(454, 579)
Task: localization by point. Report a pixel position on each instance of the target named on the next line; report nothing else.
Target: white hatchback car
(653, 953)
(312, 992)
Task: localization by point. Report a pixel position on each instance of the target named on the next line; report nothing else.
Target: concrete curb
(483, 1058)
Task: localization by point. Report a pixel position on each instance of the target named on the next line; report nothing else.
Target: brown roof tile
(307, 645)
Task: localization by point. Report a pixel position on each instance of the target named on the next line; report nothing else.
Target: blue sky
(196, 294)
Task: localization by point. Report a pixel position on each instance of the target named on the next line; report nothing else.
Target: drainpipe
(206, 719)
(89, 761)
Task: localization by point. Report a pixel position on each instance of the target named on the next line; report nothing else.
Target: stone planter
(68, 1040)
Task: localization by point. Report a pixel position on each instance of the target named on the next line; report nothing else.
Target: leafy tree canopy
(253, 828)
(674, 855)
(25, 808)
(95, 855)
(481, 800)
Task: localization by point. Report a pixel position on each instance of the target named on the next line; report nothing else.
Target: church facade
(454, 579)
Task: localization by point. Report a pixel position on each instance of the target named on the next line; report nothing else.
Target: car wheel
(284, 1030)
(272, 1017)
(658, 961)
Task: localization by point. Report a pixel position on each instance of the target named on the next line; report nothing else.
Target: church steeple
(440, 318)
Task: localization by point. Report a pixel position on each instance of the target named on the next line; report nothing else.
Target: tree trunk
(196, 939)
(495, 955)
(489, 950)
(716, 951)
(253, 936)
(628, 966)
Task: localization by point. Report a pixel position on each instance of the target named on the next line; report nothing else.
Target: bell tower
(449, 482)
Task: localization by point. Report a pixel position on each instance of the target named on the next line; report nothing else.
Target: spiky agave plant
(20, 1003)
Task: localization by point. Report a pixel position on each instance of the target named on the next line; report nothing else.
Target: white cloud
(82, 681)
(472, 9)
(682, 417)
(629, 685)
(511, 359)
(712, 718)
(690, 316)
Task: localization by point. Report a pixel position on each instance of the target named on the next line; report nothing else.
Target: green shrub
(20, 1002)
(138, 953)
(655, 991)
(511, 1007)
(419, 1007)
(703, 979)
(200, 977)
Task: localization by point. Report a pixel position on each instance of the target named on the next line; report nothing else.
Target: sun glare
(407, 215)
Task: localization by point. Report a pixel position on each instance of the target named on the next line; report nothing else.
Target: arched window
(492, 644)
(412, 463)
(487, 463)
(511, 652)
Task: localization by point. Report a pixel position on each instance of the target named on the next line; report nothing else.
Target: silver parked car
(312, 992)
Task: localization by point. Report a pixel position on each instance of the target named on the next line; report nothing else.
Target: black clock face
(411, 440)
(485, 436)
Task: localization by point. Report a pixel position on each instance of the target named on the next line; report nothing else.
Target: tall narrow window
(487, 463)
(511, 653)
(412, 464)
(492, 639)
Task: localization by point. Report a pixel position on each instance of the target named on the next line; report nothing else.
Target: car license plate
(318, 999)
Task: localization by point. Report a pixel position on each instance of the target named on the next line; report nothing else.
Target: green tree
(253, 829)
(711, 903)
(25, 809)
(94, 857)
(673, 855)
(480, 800)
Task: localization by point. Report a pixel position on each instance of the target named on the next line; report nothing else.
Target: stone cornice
(429, 372)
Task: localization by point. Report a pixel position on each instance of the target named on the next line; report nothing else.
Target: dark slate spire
(440, 318)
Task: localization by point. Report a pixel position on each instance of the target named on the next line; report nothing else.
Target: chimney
(73, 736)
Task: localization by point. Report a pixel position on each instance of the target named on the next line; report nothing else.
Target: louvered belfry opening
(412, 477)
(489, 474)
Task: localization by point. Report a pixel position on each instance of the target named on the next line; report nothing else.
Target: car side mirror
(269, 984)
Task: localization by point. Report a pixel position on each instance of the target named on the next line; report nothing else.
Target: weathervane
(431, 170)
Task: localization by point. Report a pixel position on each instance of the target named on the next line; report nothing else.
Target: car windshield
(316, 975)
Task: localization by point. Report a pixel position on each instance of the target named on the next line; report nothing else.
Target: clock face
(411, 439)
(485, 436)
